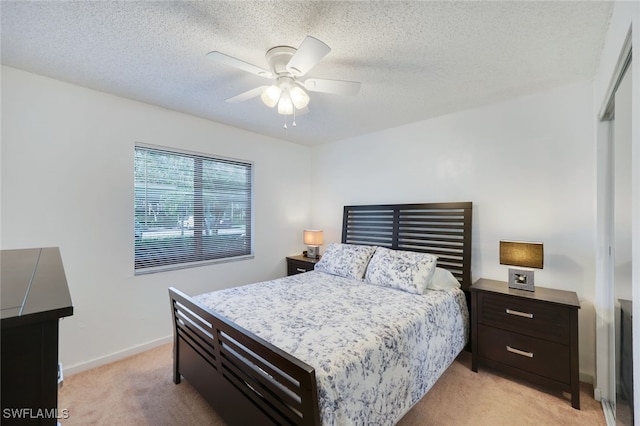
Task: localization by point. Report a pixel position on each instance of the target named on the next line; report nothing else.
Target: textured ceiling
(415, 60)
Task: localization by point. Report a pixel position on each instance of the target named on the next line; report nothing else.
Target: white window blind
(190, 208)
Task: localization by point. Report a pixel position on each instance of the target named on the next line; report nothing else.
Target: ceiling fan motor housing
(278, 57)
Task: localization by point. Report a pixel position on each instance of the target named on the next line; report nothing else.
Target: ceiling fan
(288, 66)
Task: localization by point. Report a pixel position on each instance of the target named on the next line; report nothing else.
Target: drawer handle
(519, 352)
(301, 270)
(520, 314)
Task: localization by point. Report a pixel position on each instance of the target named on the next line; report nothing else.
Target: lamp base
(521, 279)
(313, 252)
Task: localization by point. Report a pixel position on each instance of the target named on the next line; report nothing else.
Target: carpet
(139, 391)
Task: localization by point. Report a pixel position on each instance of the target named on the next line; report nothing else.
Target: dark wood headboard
(442, 229)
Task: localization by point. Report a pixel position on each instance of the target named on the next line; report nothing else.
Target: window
(190, 208)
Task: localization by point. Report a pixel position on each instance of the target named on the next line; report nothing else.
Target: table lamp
(526, 256)
(313, 239)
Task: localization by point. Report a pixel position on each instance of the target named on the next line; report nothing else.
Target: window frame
(183, 261)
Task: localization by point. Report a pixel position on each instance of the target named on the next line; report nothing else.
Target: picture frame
(521, 279)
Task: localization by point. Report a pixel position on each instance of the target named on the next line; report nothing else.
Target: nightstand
(299, 264)
(531, 335)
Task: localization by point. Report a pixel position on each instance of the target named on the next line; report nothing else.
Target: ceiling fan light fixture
(271, 95)
(285, 106)
(299, 97)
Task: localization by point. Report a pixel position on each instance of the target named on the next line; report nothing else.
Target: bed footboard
(244, 378)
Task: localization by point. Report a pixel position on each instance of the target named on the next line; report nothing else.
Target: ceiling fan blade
(310, 52)
(237, 63)
(336, 87)
(246, 95)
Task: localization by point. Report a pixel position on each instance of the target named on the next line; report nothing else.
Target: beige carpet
(139, 391)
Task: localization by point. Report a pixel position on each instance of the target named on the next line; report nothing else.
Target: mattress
(376, 351)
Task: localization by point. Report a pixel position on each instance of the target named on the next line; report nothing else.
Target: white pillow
(443, 279)
(403, 270)
(345, 260)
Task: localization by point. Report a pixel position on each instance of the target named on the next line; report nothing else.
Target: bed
(322, 347)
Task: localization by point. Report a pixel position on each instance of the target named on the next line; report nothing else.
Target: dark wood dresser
(34, 296)
(300, 264)
(531, 335)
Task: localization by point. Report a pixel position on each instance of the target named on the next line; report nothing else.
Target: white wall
(625, 17)
(67, 181)
(526, 164)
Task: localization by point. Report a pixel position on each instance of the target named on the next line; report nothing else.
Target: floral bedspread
(376, 350)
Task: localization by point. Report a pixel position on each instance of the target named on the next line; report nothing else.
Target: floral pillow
(403, 270)
(345, 260)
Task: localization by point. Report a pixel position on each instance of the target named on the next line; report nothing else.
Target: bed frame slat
(197, 345)
(191, 327)
(279, 407)
(290, 383)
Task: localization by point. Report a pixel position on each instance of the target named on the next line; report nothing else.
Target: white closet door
(622, 232)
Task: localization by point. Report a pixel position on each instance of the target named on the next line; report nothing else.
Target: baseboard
(68, 371)
(586, 378)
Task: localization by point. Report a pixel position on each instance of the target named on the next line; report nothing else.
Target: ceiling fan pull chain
(294, 116)
(285, 122)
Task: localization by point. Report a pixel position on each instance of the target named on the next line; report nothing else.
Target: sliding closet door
(622, 249)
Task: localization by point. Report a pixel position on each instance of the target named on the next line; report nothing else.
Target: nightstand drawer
(541, 357)
(298, 267)
(537, 319)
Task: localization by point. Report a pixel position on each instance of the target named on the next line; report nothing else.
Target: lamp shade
(270, 95)
(523, 254)
(285, 106)
(312, 237)
(299, 97)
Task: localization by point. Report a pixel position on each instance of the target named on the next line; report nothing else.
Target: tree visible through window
(190, 208)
